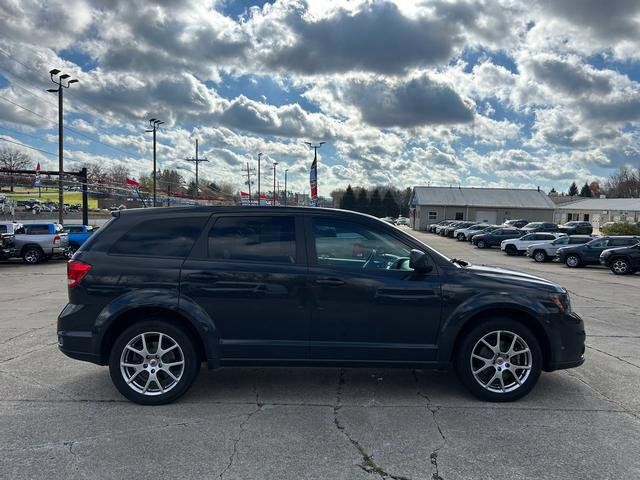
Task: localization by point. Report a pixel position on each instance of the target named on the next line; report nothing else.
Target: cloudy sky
(495, 93)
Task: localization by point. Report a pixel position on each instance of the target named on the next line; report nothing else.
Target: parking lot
(60, 418)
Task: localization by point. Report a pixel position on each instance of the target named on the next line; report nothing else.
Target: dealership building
(492, 205)
(599, 210)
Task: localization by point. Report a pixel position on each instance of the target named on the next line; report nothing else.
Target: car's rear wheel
(540, 256)
(572, 261)
(499, 360)
(32, 255)
(620, 266)
(511, 250)
(481, 244)
(153, 362)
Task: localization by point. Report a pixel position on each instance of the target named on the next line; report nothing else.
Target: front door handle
(329, 281)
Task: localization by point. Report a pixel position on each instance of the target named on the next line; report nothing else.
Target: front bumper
(567, 342)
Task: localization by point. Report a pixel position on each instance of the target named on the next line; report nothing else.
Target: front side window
(161, 237)
(601, 242)
(561, 241)
(342, 243)
(253, 239)
(531, 236)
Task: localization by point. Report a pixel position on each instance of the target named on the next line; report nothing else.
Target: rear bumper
(75, 338)
(7, 252)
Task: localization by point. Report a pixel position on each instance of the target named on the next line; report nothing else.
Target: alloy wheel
(152, 363)
(32, 256)
(572, 261)
(481, 244)
(501, 361)
(620, 266)
(539, 256)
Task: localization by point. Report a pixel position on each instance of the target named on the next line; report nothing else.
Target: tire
(572, 261)
(146, 372)
(32, 255)
(511, 250)
(620, 266)
(481, 244)
(70, 251)
(491, 389)
(461, 237)
(540, 256)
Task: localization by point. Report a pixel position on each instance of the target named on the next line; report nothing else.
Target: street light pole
(61, 86)
(285, 186)
(275, 164)
(154, 123)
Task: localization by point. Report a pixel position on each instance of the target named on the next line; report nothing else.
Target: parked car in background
(576, 228)
(622, 260)
(589, 253)
(402, 220)
(448, 231)
(36, 242)
(518, 246)
(495, 237)
(440, 225)
(77, 235)
(542, 252)
(517, 223)
(462, 232)
(7, 240)
(388, 220)
(539, 227)
(487, 229)
(157, 292)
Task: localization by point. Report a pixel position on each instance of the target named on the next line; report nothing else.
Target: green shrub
(621, 228)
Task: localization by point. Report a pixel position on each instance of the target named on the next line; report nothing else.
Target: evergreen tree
(405, 197)
(390, 207)
(348, 201)
(375, 204)
(192, 189)
(585, 191)
(573, 190)
(362, 202)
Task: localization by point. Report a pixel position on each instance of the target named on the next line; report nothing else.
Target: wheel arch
(30, 245)
(519, 315)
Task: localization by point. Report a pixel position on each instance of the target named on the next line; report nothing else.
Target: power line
(28, 146)
(17, 132)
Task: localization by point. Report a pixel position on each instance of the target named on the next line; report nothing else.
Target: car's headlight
(562, 301)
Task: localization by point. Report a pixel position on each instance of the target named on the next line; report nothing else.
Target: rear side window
(4, 229)
(622, 242)
(160, 237)
(578, 240)
(36, 229)
(253, 239)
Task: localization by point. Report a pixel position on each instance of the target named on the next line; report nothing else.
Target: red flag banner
(38, 168)
(132, 183)
(313, 179)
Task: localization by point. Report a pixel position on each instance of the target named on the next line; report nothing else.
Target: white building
(600, 210)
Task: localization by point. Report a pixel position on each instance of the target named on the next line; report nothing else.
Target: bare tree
(12, 159)
(623, 184)
(118, 174)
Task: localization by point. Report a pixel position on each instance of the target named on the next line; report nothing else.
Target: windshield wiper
(462, 263)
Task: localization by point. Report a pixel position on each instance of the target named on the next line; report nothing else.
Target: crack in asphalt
(434, 411)
(241, 430)
(613, 356)
(46, 345)
(26, 332)
(368, 464)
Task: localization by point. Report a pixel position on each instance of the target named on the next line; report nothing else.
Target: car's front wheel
(540, 256)
(481, 244)
(572, 261)
(620, 266)
(511, 250)
(153, 362)
(461, 237)
(499, 360)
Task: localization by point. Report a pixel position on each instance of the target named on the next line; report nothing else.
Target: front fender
(475, 306)
(163, 299)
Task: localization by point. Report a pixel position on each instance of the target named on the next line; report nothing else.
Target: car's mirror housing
(419, 261)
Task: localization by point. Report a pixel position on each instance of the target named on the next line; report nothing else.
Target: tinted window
(563, 241)
(621, 242)
(601, 242)
(4, 229)
(256, 239)
(36, 229)
(73, 229)
(545, 237)
(161, 237)
(349, 244)
(578, 240)
(531, 236)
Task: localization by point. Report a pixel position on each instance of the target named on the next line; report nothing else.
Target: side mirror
(419, 261)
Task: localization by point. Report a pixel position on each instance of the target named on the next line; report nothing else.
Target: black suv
(622, 260)
(589, 253)
(516, 223)
(156, 292)
(576, 228)
(495, 237)
(535, 227)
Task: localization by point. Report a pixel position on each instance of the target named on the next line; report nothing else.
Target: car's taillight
(56, 240)
(76, 271)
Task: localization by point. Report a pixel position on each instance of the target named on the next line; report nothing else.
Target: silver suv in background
(38, 241)
(542, 252)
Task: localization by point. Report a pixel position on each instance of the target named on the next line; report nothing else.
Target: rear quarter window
(160, 237)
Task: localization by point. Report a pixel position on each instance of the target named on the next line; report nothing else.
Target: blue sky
(480, 94)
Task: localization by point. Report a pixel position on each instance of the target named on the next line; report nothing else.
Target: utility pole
(285, 186)
(197, 160)
(61, 86)
(259, 156)
(249, 172)
(275, 164)
(154, 123)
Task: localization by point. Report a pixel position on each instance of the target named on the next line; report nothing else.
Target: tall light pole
(154, 123)
(285, 186)
(259, 156)
(197, 160)
(275, 164)
(60, 82)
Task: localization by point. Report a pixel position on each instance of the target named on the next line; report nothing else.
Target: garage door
(488, 216)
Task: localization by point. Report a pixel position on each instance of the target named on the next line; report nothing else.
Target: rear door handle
(329, 281)
(203, 276)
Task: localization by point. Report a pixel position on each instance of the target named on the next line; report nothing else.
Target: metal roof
(482, 197)
(624, 204)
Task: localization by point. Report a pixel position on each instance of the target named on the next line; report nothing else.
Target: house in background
(599, 210)
(491, 205)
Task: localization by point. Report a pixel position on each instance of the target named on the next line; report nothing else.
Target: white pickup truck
(36, 242)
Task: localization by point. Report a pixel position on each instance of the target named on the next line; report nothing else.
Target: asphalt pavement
(61, 418)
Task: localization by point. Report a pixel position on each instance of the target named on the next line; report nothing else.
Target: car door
(367, 304)
(249, 273)
(593, 250)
